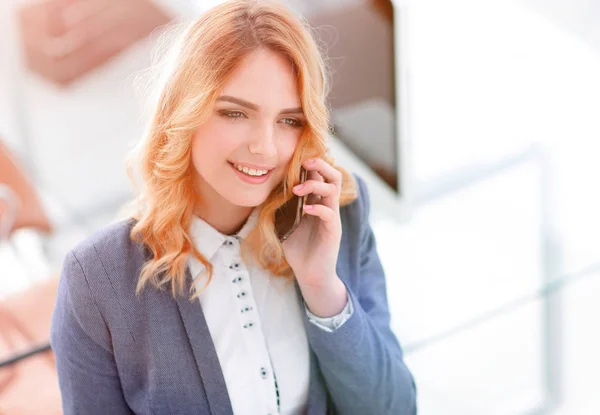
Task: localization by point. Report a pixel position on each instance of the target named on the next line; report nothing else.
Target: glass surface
(358, 38)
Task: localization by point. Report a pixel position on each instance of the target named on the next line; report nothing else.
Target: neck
(218, 212)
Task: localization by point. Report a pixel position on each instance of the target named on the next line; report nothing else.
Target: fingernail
(308, 207)
(310, 161)
(298, 187)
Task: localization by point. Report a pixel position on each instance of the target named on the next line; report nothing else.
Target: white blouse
(256, 324)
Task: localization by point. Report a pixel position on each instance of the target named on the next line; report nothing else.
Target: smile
(250, 175)
(249, 171)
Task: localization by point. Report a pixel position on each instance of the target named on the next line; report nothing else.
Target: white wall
(487, 80)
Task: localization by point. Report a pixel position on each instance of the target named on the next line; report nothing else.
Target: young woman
(193, 305)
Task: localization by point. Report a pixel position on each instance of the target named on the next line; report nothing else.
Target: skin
(258, 120)
(64, 40)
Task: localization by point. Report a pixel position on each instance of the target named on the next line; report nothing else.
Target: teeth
(250, 172)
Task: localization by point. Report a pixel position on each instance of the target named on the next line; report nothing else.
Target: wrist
(325, 300)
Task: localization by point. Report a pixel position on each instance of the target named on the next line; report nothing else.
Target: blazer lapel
(204, 352)
(317, 392)
(209, 367)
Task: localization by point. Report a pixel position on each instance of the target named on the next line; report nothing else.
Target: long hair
(206, 54)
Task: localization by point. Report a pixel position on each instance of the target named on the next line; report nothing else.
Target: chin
(248, 200)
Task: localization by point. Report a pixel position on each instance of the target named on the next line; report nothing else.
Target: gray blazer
(120, 354)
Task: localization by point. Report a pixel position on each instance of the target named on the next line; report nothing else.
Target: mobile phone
(288, 217)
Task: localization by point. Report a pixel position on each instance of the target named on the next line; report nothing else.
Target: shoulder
(356, 213)
(112, 242)
(97, 278)
(355, 224)
(105, 263)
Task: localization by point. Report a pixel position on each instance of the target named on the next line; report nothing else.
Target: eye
(233, 114)
(292, 122)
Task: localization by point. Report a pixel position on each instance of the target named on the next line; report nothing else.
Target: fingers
(324, 186)
(323, 189)
(326, 170)
(82, 12)
(325, 213)
(83, 36)
(66, 39)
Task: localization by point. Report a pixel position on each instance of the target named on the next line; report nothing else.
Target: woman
(194, 305)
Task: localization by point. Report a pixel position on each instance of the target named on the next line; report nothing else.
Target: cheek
(200, 153)
(286, 147)
(213, 144)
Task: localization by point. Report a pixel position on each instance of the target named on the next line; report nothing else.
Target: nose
(263, 142)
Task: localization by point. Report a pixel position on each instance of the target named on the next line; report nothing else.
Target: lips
(250, 171)
(250, 179)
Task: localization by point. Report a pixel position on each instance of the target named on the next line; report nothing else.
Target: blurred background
(474, 122)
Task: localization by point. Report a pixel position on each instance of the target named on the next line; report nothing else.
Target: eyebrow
(254, 107)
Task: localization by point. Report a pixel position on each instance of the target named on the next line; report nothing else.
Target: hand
(312, 249)
(63, 40)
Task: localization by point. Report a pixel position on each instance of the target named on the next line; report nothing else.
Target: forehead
(265, 78)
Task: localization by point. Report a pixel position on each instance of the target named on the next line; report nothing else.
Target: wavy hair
(207, 52)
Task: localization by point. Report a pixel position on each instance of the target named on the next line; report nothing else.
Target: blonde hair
(208, 52)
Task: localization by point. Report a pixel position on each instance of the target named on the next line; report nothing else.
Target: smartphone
(288, 217)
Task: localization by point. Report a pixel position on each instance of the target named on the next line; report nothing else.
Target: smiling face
(240, 154)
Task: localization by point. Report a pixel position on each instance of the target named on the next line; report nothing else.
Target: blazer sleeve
(87, 373)
(362, 361)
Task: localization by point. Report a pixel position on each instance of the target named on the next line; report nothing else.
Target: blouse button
(237, 279)
(241, 294)
(248, 325)
(263, 372)
(234, 266)
(246, 309)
